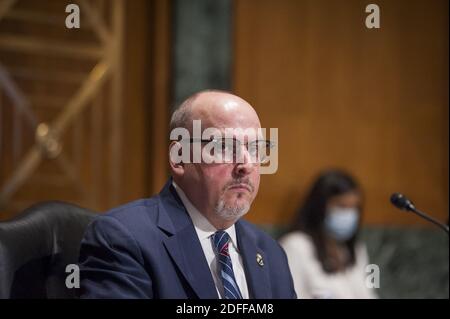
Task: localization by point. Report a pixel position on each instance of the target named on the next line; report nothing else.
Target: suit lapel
(183, 244)
(186, 251)
(257, 276)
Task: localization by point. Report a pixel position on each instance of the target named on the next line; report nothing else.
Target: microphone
(402, 202)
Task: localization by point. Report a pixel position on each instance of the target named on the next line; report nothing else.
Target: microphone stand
(429, 218)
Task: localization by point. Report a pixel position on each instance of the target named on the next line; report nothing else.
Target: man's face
(228, 188)
(224, 191)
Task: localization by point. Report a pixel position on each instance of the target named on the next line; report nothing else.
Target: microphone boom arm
(430, 219)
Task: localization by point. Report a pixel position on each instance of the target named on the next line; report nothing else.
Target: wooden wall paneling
(374, 102)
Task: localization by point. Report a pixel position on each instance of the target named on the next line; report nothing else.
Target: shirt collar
(202, 226)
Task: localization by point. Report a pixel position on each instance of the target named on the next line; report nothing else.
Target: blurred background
(84, 112)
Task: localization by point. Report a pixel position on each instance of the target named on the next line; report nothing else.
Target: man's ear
(176, 159)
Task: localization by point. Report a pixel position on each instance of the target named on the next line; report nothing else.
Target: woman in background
(325, 257)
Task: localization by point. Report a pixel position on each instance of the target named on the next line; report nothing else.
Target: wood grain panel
(373, 102)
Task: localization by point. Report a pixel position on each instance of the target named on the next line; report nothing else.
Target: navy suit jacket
(149, 249)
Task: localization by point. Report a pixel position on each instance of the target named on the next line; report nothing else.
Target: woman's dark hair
(310, 217)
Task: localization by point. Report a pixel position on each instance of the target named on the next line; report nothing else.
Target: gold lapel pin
(259, 259)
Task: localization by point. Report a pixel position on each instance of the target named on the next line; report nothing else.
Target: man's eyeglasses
(229, 150)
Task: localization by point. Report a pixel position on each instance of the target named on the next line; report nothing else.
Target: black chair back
(37, 246)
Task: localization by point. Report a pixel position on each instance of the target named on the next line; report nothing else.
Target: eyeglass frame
(269, 144)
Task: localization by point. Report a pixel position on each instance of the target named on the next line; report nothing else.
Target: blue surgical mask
(341, 223)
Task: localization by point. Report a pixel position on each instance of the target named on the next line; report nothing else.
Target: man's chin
(238, 203)
(232, 211)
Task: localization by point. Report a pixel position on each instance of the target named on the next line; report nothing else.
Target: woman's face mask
(341, 223)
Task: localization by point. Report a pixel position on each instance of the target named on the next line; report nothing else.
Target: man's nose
(244, 165)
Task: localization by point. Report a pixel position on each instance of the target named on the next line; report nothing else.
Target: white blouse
(311, 281)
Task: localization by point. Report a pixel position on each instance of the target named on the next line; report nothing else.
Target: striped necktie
(221, 239)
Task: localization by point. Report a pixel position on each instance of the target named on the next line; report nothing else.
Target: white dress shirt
(204, 231)
(311, 281)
